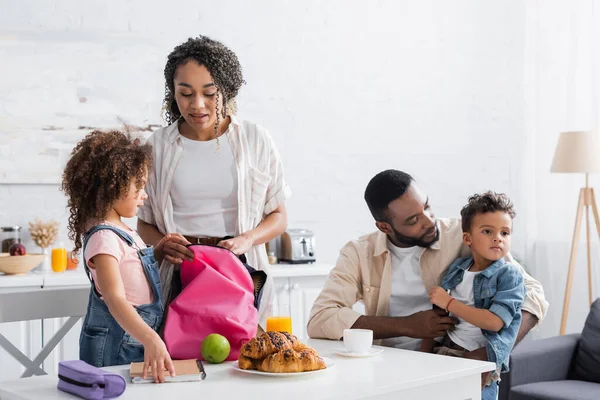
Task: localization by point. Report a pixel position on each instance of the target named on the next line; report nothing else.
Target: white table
(393, 374)
(44, 296)
(40, 296)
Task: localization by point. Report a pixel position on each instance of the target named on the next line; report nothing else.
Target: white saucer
(344, 352)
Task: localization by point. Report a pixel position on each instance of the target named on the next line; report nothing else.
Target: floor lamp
(579, 152)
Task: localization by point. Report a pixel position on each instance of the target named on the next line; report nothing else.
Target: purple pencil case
(88, 382)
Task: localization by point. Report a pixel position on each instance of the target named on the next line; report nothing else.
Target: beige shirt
(363, 273)
(260, 182)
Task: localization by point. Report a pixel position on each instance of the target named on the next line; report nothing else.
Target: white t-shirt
(205, 189)
(466, 334)
(408, 294)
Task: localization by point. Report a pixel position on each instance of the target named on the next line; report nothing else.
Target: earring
(217, 122)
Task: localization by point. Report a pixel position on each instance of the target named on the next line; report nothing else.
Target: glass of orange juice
(72, 261)
(59, 259)
(279, 324)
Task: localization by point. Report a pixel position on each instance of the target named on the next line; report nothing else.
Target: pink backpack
(217, 296)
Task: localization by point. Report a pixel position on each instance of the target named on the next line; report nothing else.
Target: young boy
(484, 291)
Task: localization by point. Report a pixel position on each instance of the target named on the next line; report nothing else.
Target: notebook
(186, 370)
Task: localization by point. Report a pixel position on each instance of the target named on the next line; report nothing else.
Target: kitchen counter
(295, 270)
(45, 279)
(78, 277)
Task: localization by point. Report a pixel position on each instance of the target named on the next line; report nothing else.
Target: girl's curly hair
(98, 174)
(220, 61)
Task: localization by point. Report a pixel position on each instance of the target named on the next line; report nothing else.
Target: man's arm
(421, 325)
(332, 311)
(527, 323)
(535, 301)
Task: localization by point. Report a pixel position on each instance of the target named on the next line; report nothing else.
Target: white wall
(346, 88)
(562, 93)
(447, 91)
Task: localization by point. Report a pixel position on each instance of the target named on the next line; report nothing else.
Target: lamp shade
(577, 151)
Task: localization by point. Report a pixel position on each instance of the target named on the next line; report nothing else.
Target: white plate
(328, 361)
(372, 352)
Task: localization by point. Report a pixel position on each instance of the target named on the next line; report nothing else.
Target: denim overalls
(102, 341)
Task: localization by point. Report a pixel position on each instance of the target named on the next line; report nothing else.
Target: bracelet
(448, 305)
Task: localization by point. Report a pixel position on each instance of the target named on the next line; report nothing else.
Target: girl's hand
(439, 297)
(157, 357)
(172, 247)
(239, 244)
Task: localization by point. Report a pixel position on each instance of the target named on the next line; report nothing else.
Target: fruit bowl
(18, 265)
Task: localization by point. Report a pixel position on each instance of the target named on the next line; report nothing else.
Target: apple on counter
(17, 249)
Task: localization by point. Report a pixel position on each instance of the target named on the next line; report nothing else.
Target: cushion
(586, 363)
(556, 390)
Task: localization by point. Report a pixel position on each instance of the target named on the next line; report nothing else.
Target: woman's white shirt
(260, 181)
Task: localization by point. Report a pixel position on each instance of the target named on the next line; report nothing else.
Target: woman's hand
(172, 247)
(157, 357)
(239, 244)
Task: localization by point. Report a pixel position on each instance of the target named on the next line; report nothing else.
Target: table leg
(19, 356)
(58, 336)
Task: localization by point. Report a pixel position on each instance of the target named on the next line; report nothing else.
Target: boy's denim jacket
(500, 289)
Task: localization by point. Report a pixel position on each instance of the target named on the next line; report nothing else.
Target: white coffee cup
(358, 340)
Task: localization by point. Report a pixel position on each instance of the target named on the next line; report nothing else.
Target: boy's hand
(439, 297)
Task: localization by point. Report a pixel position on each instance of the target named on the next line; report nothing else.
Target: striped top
(261, 189)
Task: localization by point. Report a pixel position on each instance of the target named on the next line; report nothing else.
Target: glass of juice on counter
(72, 261)
(279, 324)
(59, 259)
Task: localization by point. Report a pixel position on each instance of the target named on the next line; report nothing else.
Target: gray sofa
(562, 367)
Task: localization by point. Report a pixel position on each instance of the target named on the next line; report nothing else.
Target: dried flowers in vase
(43, 233)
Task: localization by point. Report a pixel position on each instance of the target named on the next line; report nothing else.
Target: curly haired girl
(104, 181)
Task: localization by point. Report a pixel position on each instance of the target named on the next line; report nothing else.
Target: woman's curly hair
(98, 174)
(220, 61)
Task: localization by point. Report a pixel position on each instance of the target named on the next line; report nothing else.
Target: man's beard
(408, 241)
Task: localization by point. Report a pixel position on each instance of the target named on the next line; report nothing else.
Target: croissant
(287, 361)
(248, 363)
(268, 343)
(301, 347)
